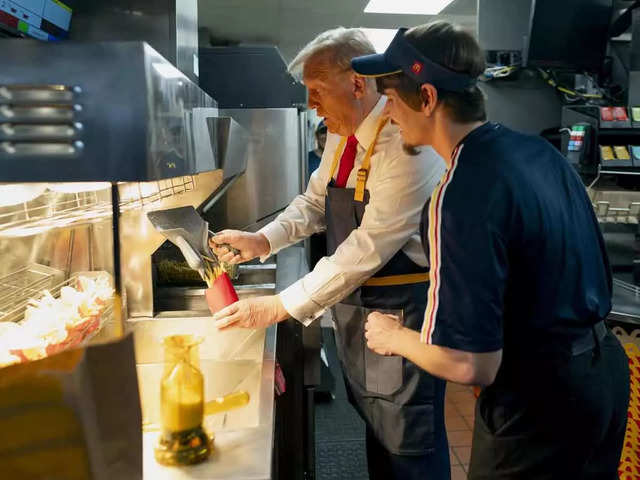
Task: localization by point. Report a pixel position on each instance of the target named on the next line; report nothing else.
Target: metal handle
(41, 149)
(40, 114)
(9, 131)
(39, 94)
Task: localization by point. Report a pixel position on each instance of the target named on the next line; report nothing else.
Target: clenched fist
(381, 333)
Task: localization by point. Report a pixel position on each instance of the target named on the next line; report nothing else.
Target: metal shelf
(630, 171)
(67, 210)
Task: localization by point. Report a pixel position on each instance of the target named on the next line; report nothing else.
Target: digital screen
(47, 20)
(569, 34)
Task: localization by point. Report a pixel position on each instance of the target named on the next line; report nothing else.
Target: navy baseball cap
(401, 56)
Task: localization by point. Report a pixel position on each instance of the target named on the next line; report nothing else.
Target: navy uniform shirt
(517, 257)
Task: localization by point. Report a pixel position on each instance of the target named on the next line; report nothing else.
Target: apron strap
(336, 157)
(363, 171)
(390, 280)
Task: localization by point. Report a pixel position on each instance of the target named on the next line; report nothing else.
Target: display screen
(569, 34)
(47, 20)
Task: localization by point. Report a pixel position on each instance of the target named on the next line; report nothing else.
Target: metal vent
(40, 120)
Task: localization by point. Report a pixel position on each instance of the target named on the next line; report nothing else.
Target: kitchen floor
(459, 413)
(340, 444)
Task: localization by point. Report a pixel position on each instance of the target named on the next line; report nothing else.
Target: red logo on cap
(416, 67)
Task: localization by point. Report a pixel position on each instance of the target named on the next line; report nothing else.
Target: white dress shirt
(398, 184)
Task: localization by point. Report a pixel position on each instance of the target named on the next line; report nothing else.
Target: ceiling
(290, 24)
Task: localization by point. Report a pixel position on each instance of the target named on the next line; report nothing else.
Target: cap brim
(375, 65)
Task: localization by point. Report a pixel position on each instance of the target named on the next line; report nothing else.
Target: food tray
(78, 334)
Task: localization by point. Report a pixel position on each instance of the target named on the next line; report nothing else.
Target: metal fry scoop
(184, 228)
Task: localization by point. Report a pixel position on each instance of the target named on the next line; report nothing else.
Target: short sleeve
(468, 230)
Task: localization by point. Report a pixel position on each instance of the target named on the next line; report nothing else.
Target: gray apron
(402, 404)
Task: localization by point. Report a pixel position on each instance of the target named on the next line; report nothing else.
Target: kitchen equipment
(190, 233)
(143, 135)
(184, 228)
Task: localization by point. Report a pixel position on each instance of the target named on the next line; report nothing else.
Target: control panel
(579, 147)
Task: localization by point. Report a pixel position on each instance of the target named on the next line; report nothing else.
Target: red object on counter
(620, 114)
(606, 114)
(220, 294)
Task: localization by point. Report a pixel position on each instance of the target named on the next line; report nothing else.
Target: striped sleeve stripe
(435, 213)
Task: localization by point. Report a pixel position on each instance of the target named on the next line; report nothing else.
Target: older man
(367, 194)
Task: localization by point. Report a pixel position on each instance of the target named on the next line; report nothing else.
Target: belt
(390, 280)
(589, 340)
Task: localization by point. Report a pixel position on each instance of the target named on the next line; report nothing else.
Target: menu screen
(47, 20)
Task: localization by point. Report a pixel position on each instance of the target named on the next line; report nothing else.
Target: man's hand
(258, 312)
(250, 246)
(381, 332)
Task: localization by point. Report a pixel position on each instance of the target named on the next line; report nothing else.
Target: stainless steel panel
(256, 274)
(272, 177)
(230, 145)
(169, 26)
(186, 36)
(303, 144)
(136, 110)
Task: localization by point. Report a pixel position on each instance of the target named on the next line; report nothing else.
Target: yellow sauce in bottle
(179, 414)
(181, 398)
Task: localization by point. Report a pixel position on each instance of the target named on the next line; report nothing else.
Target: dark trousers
(565, 419)
(384, 465)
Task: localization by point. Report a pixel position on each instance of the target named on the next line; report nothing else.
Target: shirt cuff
(298, 304)
(276, 236)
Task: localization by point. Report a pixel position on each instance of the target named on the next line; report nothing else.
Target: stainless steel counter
(243, 442)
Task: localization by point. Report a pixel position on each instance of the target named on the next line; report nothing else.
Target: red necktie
(346, 161)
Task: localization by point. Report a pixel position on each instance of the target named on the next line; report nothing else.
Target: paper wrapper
(220, 294)
(73, 415)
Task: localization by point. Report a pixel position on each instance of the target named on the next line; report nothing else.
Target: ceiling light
(411, 7)
(380, 37)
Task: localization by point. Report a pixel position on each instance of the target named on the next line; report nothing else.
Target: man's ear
(429, 96)
(359, 85)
